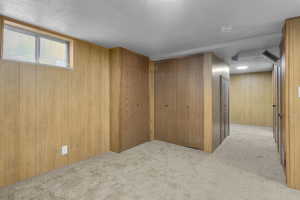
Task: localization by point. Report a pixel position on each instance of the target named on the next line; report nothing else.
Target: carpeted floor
(245, 166)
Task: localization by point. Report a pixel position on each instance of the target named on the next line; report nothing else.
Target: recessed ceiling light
(226, 28)
(242, 67)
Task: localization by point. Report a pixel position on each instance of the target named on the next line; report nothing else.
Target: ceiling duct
(269, 55)
(248, 55)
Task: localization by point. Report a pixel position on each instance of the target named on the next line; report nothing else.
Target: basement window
(26, 44)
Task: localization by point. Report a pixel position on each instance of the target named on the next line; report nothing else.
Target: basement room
(149, 100)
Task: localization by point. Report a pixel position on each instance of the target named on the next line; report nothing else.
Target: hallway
(252, 149)
(245, 166)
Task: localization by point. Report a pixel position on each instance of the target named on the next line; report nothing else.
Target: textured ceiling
(161, 28)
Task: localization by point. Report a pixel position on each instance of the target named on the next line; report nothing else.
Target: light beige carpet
(246, 166)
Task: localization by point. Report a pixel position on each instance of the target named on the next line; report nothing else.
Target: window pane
(53, 52)
(18, 46)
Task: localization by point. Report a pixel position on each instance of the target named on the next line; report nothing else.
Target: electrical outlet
(64, 150)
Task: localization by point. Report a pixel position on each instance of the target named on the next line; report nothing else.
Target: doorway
(277, 112)
(224, 110)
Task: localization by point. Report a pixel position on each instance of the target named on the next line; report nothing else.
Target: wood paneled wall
(43, 108)
(208, 102)
(291, 100)
(129, 99)
(213, 68)
(251, 99)
(152, 69)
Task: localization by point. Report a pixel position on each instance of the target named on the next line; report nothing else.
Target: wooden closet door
(183, 104)
(179, 102)
(165, 100)
(190, 102)
(134, 109)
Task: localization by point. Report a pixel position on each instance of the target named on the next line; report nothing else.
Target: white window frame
(38, 35)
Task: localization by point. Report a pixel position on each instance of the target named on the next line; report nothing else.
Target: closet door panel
(165, 100)
(190, 101)
(179, 101)
(134, 100)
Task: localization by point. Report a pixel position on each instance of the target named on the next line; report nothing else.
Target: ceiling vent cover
(269, 55)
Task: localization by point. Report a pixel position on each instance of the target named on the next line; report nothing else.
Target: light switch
(298, 91)
(64, 150)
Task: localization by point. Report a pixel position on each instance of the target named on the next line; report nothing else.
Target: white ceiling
(162, 28)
